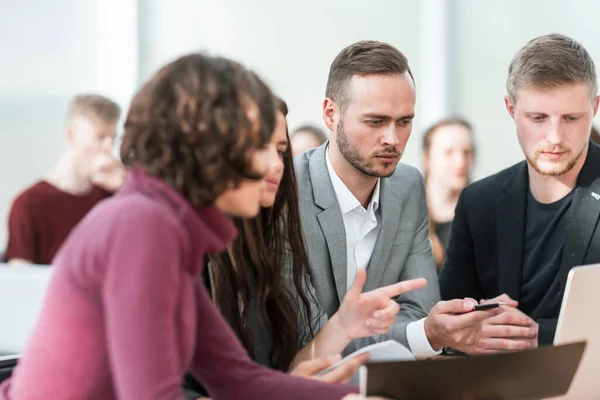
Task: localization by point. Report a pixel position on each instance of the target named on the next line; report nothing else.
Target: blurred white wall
(53, 49)
(291, 44)
(26, 287)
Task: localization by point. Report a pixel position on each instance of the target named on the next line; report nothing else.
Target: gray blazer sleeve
(416, 304)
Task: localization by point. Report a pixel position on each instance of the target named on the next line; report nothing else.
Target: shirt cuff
(417, 340)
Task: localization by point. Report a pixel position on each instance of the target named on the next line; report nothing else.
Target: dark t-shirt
(42, 217)
(442, 230)
(543, 247)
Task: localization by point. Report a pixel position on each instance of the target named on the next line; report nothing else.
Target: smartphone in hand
(489, 306)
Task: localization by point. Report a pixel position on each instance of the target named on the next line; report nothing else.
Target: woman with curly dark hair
(126, 313)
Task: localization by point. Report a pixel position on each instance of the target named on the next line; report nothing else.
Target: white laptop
(580, 320)
(22, 292)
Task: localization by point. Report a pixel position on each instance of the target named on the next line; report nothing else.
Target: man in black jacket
(516, 234)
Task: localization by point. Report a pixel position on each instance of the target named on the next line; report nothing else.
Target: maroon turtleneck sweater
(126, 313)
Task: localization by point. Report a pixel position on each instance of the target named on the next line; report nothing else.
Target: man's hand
(342, 374)
(510, 331)
(374, 312)
(108, 172)
(454, 324)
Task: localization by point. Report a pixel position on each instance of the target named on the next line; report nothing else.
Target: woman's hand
(342, 374)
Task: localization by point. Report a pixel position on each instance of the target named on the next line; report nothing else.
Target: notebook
(390, 350)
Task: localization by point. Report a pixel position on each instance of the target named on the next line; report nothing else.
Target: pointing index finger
(399, 288)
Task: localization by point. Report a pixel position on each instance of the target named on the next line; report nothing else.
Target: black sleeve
(458, 277)
(546, 331)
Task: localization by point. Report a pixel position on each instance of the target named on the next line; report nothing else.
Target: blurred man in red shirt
(44, 214)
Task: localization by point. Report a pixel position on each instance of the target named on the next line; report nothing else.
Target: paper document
(390, 350)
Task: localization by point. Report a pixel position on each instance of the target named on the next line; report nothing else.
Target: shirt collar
(346, 199)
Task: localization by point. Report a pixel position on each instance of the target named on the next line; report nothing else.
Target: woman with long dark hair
(126, 314)
(262, 285)
(260, 282)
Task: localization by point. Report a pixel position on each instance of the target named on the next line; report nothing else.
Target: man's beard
(351, 153)
(534, 162)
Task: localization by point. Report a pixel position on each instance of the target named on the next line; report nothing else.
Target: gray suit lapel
(390, 218)
(330, 219)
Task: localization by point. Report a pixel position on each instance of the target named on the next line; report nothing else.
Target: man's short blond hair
(95, 106)
(551, 61)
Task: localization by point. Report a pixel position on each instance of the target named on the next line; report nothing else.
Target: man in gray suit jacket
(360, 209)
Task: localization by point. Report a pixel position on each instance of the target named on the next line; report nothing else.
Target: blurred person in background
(448, 154)
(306, 137)
(43, 215)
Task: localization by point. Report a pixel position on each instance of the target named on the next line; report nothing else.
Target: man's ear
(510, 106)
(330, 113)
(596, 101)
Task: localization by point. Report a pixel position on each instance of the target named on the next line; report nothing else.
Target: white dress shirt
(362, 228)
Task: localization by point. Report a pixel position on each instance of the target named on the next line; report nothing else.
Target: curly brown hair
(190, 125)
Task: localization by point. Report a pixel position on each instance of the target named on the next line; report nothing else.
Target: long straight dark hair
(268, 265)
